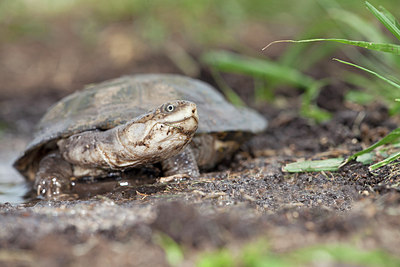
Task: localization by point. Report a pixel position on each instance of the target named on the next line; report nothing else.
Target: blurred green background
(201, 22)
(59, 45)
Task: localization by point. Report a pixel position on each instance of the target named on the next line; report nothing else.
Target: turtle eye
(169, 108)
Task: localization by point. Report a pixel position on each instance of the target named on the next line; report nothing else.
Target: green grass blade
(355, 25)
(387, 20)
(390, 138)
(314, 112)
(314, 165)
(382, 47)
(308, 108)
(371, 72)
(231, 62)
(230, 94)
(385, 161)
(366, 158)
(305, 56)
(391, 17)
(361, 29)
(276, 74)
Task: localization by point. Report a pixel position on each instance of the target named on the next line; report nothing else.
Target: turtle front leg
(180, 166)
(53, 176)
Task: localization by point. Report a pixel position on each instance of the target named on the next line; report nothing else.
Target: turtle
(133, 121)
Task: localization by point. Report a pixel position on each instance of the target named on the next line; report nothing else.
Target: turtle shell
(114, 102)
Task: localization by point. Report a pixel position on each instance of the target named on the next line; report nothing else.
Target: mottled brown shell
(105, 105)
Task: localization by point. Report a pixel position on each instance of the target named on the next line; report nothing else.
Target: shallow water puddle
(12, 185)
(12, 192)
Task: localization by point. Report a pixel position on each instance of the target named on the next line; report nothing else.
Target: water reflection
(12, 185)
(13, 192)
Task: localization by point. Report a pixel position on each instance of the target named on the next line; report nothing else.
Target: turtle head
(162, 132)
(180, 115)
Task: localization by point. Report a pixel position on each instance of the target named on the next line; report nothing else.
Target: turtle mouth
(186, 130)
(173, 124)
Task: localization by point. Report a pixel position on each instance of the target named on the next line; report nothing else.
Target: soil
(245, 198)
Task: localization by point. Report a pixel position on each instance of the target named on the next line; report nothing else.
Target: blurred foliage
(259, 254)
(3, 127)
(173, 252)
(339, 22)
(204, 21)
(274, 73)
(198, 25)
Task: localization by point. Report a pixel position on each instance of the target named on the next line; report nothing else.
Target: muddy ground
(246, 198)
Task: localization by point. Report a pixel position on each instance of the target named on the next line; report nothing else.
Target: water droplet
(123, 183)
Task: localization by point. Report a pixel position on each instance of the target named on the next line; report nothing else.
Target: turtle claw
(53, 177)
(174, 178)
(51, 187)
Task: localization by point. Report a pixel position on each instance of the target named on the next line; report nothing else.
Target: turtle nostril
(193, 111)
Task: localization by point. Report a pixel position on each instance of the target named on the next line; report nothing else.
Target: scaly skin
(183, 163)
